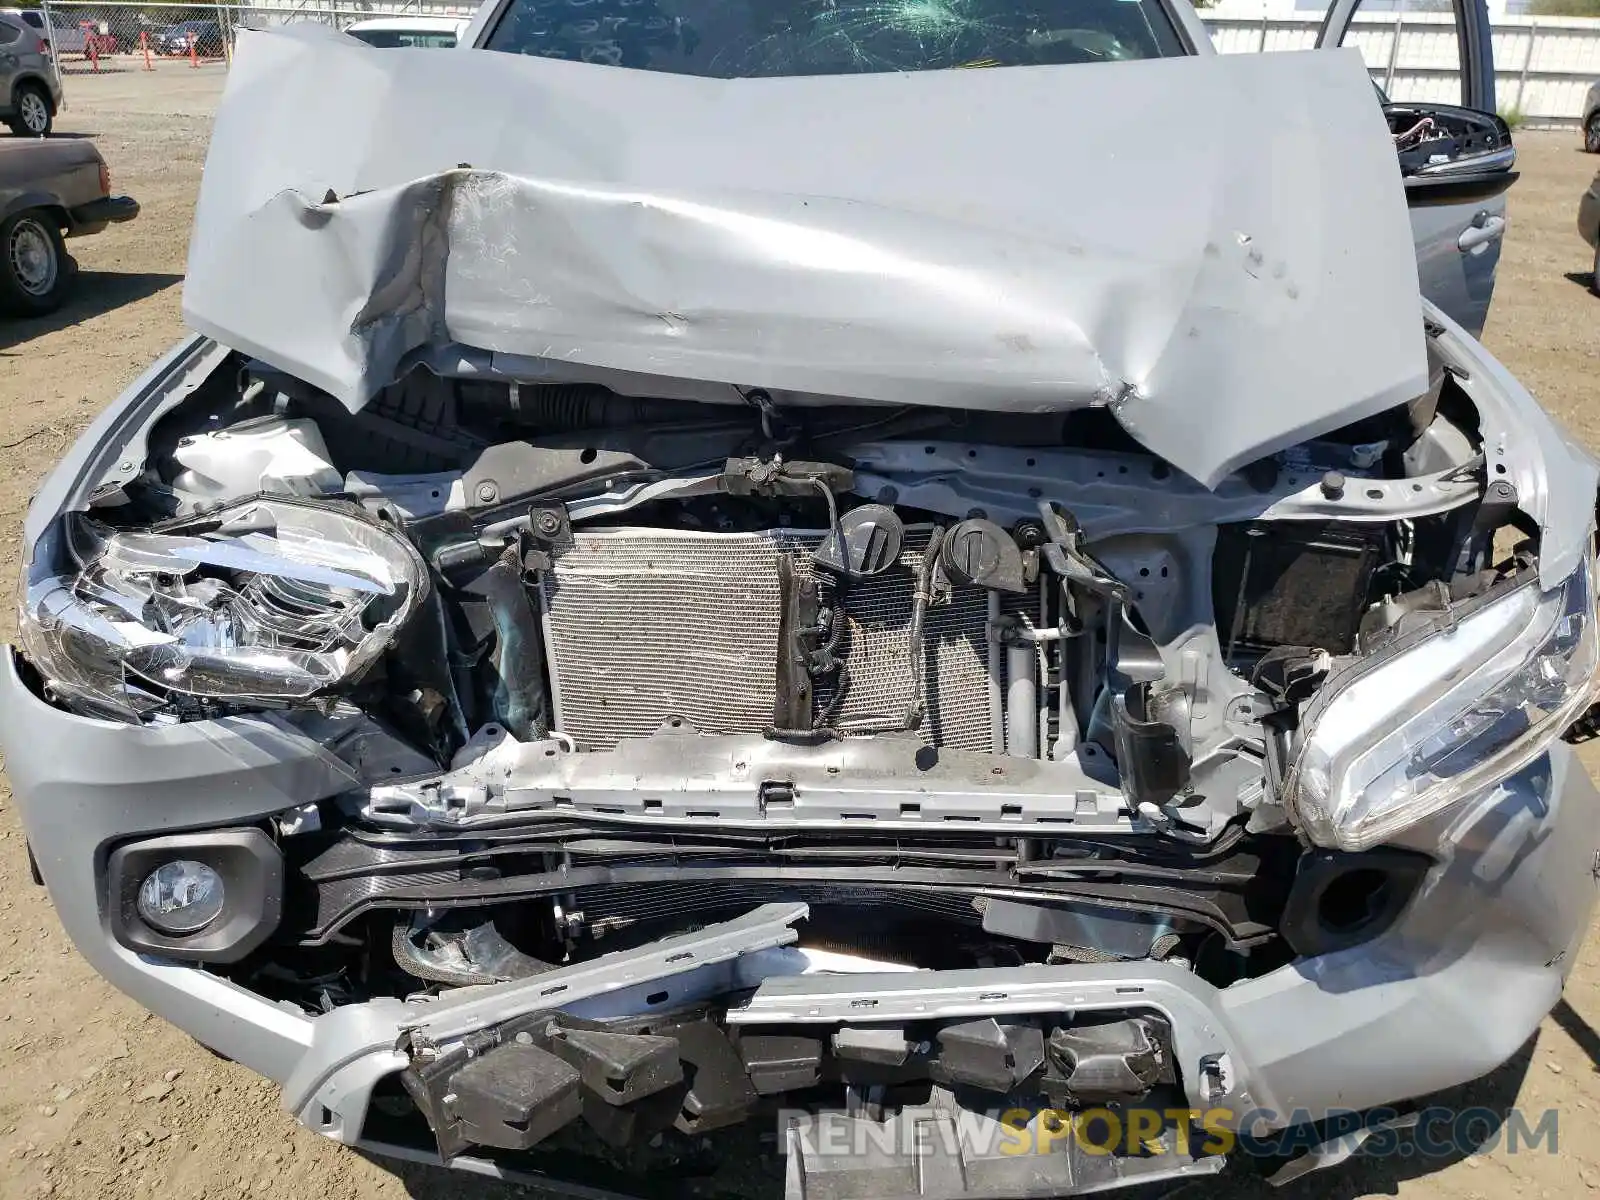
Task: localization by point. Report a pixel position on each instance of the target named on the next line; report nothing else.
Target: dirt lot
(99, 1100)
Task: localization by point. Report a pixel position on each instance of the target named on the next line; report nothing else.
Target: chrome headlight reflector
(1391, 742)
(273, 599)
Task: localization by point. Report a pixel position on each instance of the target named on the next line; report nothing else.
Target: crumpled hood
(1217, 248)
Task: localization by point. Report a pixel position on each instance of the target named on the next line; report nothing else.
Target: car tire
(35, 269)
(1594, 273)
(32, 116)
(1591, 133)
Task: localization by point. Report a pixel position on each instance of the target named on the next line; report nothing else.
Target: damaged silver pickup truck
(850, 612)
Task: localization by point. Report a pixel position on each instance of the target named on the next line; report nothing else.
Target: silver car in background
(798, 589)
(30, 86)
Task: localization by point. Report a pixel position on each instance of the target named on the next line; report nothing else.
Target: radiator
(643, 625)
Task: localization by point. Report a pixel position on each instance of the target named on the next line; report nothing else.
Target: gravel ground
(98, 1099)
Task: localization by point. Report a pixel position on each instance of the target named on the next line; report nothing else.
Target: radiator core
(644, 625)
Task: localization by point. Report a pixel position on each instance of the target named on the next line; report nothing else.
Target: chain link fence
(97, 36)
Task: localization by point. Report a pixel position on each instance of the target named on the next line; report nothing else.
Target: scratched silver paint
(1026, 238)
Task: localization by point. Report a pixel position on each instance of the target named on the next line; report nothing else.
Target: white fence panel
(1543, 65)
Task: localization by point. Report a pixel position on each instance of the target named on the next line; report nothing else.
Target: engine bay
(827, 546)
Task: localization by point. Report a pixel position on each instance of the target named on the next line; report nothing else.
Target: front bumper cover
(1449, 992)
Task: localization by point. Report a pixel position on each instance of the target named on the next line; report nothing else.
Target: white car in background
(434, 33)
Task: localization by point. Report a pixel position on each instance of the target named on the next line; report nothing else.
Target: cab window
(729, 39)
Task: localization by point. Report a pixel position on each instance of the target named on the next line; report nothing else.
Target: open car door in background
(1456, 156)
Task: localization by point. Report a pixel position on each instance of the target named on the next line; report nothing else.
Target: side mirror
(1450, 152)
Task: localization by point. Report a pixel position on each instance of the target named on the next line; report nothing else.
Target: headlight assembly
(1395, 740)
(271, 600)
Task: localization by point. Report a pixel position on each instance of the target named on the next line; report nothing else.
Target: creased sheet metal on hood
(1022, 238)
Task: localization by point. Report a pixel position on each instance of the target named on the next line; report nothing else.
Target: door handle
(1483, 230)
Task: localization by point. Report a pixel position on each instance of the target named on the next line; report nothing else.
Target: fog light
(180, 897)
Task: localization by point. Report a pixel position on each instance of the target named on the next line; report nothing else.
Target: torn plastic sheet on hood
(1020, 238)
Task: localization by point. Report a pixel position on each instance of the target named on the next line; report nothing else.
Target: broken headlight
(270, 600)
(1400, 738)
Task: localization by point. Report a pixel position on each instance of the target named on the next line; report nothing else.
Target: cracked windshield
(728, 39)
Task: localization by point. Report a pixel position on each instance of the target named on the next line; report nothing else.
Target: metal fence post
(50, 33)
(1527, 61)
(1262, 48)
(1394, 48)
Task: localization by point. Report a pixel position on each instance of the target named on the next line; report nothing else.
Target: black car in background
(175, 39)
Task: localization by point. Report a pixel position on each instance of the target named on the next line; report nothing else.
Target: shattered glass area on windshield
(730, 39)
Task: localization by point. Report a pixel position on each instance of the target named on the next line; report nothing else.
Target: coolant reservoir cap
(867, 542)
(977, 551)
